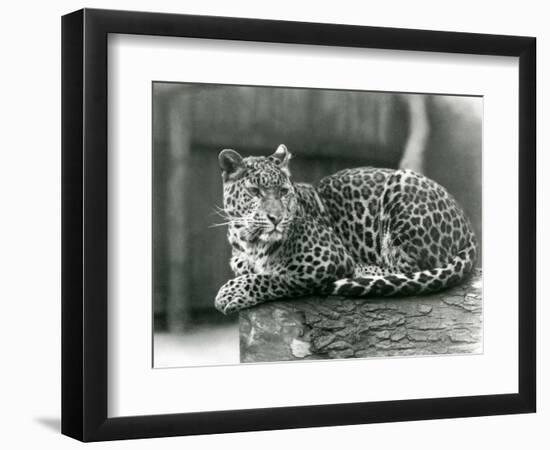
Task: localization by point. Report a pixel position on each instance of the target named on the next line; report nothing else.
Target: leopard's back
(398, 223)
(352, 200)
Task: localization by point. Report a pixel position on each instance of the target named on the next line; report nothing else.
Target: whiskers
(233, 221)
(219, 211)
(229, 219)
(252, 221)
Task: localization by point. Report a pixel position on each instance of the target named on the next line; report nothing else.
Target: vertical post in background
(160, 167)
(419, 130)
(177, 229)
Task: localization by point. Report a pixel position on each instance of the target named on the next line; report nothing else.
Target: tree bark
(448, 322)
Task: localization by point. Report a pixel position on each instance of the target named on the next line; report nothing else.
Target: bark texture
(447, 322)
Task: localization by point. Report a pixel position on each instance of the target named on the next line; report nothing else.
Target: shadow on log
(448, 322)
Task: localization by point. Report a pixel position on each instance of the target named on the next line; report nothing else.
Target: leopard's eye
(284, 191)
(254, 191)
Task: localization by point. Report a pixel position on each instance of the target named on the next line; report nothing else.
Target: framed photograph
(273, 224)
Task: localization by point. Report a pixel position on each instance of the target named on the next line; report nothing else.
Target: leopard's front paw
(233, 296)
(235, 305)
(222, 299)
(229, 296)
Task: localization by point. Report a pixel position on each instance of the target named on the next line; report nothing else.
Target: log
(448, 322)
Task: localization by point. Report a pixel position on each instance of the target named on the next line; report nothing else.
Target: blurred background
(326, 130)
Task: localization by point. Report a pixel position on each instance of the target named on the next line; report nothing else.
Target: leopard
(361, 232)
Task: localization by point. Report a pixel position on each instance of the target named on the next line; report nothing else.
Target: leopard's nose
(274, 218)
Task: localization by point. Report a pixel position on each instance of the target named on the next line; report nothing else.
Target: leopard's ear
(282, 156)
(231, 164)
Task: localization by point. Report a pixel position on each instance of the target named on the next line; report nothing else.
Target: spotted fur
(361, 232)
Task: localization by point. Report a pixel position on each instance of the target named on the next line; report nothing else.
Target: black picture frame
(84, 224)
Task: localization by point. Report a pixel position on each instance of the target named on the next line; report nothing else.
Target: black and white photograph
(275, 225)
(297, 224)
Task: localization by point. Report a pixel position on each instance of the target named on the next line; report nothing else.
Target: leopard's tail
(412, 283)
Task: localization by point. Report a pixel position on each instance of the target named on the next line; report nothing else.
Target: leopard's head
(259, 198)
